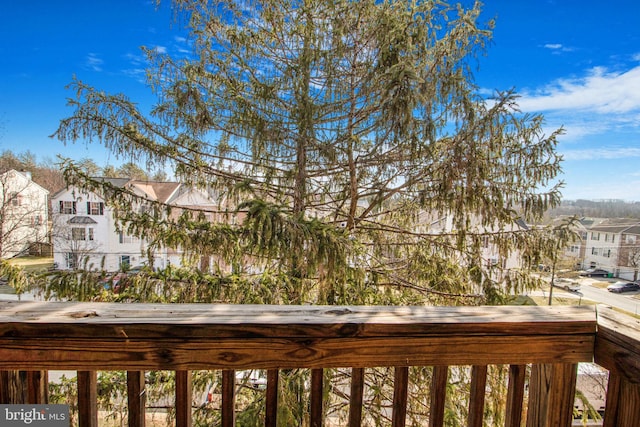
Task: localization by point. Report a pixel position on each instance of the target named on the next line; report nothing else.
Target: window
(123, 238)
(595, 236)
(606, 237)
(613, 238)
(95, 208)
(594, 251)
(125, 261)
(607, 253)
(631, 239)
(90, 233)
(15, 199)
(71, 260)
(575, 248)
(78, 233)
(36, 220)
(67, 208)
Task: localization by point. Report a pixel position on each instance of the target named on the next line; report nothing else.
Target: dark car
(595, 272)
(620, 287)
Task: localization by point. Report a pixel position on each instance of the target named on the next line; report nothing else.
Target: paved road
(625, 301)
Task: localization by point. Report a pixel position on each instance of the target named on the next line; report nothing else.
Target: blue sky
(575, 61)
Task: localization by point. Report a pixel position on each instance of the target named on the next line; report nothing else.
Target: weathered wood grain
(617, 348)
(171, 354)
(121, 321)
(198, 336)
(617, 345)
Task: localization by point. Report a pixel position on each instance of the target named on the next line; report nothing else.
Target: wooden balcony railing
(547, 342)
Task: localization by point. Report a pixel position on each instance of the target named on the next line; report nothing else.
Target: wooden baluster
(271, 412)
(317, 379)
(400, 391)
(357, 393)
(562, 394)
(538, 387)
(477, 395)
(515, 395)
(136, 398)
(629, 404)
(4, 387)
(613, 400)
(88, 398)
(228, 398)
(37, 387)
(551, 394)
(438, 395)
(14, 388)
(183, 398)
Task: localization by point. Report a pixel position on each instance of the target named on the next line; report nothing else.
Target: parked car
(567, 284)
(620, 287)
(595, 272)
(544, 267)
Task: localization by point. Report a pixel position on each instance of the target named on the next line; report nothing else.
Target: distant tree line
(47, 172)
(612, 208)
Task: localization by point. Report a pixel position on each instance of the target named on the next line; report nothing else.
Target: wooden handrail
(88, 337)
(617, 349)
(102, 336)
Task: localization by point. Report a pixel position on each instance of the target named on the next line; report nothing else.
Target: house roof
(27, 176)
(158, 191)
(82, 220)
(616, 225)
(634, 229)
(116, 182)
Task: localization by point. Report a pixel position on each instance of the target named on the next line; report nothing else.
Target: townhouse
(86, 234)
(614, 245)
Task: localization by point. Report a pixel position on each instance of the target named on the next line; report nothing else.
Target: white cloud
(557, 48)
(600, 91)
(160, 49)
(93, 62)
(602, 153)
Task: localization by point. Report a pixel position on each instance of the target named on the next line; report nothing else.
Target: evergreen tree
(336, 128)
(342, 134)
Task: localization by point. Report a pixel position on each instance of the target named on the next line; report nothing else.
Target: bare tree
(75, 238)
(23, 213)
(630, 252)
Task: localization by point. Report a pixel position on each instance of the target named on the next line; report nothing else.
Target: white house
(86, 235)
(24, 209)
(604, 243)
